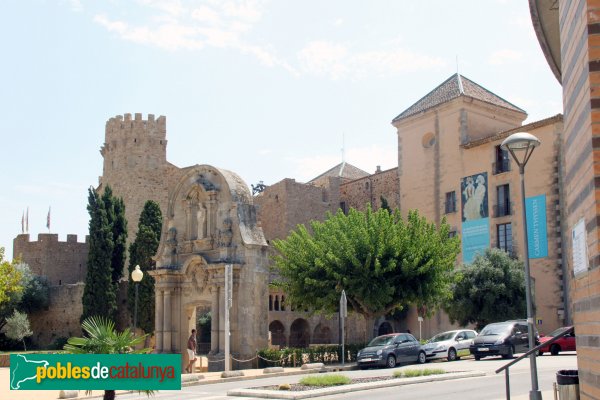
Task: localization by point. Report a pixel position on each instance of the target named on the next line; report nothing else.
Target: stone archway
(322, 335)
(384, 328)
(211, 222)
(299, 333)
(277, 333)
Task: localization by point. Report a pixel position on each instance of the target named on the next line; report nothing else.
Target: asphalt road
(489, 387)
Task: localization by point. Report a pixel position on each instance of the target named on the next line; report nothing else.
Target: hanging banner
(537, 233)
(475, 216)
(475, 238)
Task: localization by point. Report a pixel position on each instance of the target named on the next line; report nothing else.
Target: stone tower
(135, 164)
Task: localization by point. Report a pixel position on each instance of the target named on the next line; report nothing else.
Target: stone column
(214, 329)
(167, 321)
(158, 320)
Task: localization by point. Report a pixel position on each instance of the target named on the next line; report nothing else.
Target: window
(503, 201)
(451, 234)
(450, 205)
(504, 232)
(502, 161)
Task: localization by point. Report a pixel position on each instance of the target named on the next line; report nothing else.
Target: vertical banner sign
(537, 235)
(580, 259)
(475, 215)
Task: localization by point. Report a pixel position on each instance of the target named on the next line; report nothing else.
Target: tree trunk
(25, 347)
(109, 395)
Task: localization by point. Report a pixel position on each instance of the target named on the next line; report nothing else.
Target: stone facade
(211, 223)
(369, 190)
(61, 262)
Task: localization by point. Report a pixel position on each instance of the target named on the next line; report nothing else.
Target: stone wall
(368, 190)
(285, 204)
(61, 262)
(61, 318)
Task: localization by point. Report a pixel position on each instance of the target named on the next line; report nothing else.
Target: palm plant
(101, 337)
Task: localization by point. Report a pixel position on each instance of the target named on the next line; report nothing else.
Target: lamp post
(136, 276)
(520, 146)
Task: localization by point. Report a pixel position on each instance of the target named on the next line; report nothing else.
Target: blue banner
(537, 235)
(475, 238)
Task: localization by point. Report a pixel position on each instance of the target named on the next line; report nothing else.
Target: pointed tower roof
(343, 170)
(452, 88)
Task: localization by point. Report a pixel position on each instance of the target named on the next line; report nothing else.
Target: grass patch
(411, 373)
(325, 380)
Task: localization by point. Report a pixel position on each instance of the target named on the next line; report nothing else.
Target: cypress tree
(141, 252)
(115, 211)
(99, 297)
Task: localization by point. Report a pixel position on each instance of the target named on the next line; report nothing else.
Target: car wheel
(477, 358)
(554, 349)
(391, 361)
(452, 354)
(511, 353)
(422, 359)
(540, 353)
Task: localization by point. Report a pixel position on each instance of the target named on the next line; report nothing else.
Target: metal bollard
(568, 384)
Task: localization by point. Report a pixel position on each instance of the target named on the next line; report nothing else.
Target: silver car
(450, 345)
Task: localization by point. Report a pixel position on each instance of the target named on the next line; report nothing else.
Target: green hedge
(295, 357)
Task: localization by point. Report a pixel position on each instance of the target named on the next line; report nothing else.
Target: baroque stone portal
(211, 222)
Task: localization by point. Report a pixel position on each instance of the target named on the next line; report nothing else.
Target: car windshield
(440, 337)
(558, 331)
(382, 341)
(495, 329)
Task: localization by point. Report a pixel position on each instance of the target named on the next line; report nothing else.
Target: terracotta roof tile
(452, 88)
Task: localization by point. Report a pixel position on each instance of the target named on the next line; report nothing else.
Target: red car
(565, 343)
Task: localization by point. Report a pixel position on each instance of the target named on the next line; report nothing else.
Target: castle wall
(61, 318)
(368, 190)
(285, 204)
(61, 262)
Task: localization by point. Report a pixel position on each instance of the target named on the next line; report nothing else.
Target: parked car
(389, 350)
(565, 343)
(501, 339)
(450, 345)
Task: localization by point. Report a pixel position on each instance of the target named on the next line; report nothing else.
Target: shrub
(325, 380)
(284, 386)
(295, 357)
(411, 373)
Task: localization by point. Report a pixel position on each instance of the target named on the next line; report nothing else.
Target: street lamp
(520, 146)
(136, 276)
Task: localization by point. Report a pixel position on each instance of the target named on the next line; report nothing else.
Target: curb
(278, 394)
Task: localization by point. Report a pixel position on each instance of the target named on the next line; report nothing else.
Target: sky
(267, 89)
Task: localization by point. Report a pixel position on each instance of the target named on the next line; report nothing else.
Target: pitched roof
(452, 88)
(344, 170)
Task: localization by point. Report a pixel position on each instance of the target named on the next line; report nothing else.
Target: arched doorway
(322, 335)
(384, 328)
(299, 333)
(277, 333)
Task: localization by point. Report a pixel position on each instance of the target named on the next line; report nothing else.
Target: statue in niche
(170, 251)
(201, 216)
(225, 234)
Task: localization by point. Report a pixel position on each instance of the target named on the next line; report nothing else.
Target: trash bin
(568, 384)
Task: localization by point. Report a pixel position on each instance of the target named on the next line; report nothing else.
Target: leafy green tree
(115, 214)
(99, 295)
(33, 295)
(382, 262)
(490, 289)
(10, 279)
(101, 337)
(141, 252)
(17, 327)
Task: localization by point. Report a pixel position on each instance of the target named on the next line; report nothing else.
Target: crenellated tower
(135, 163)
